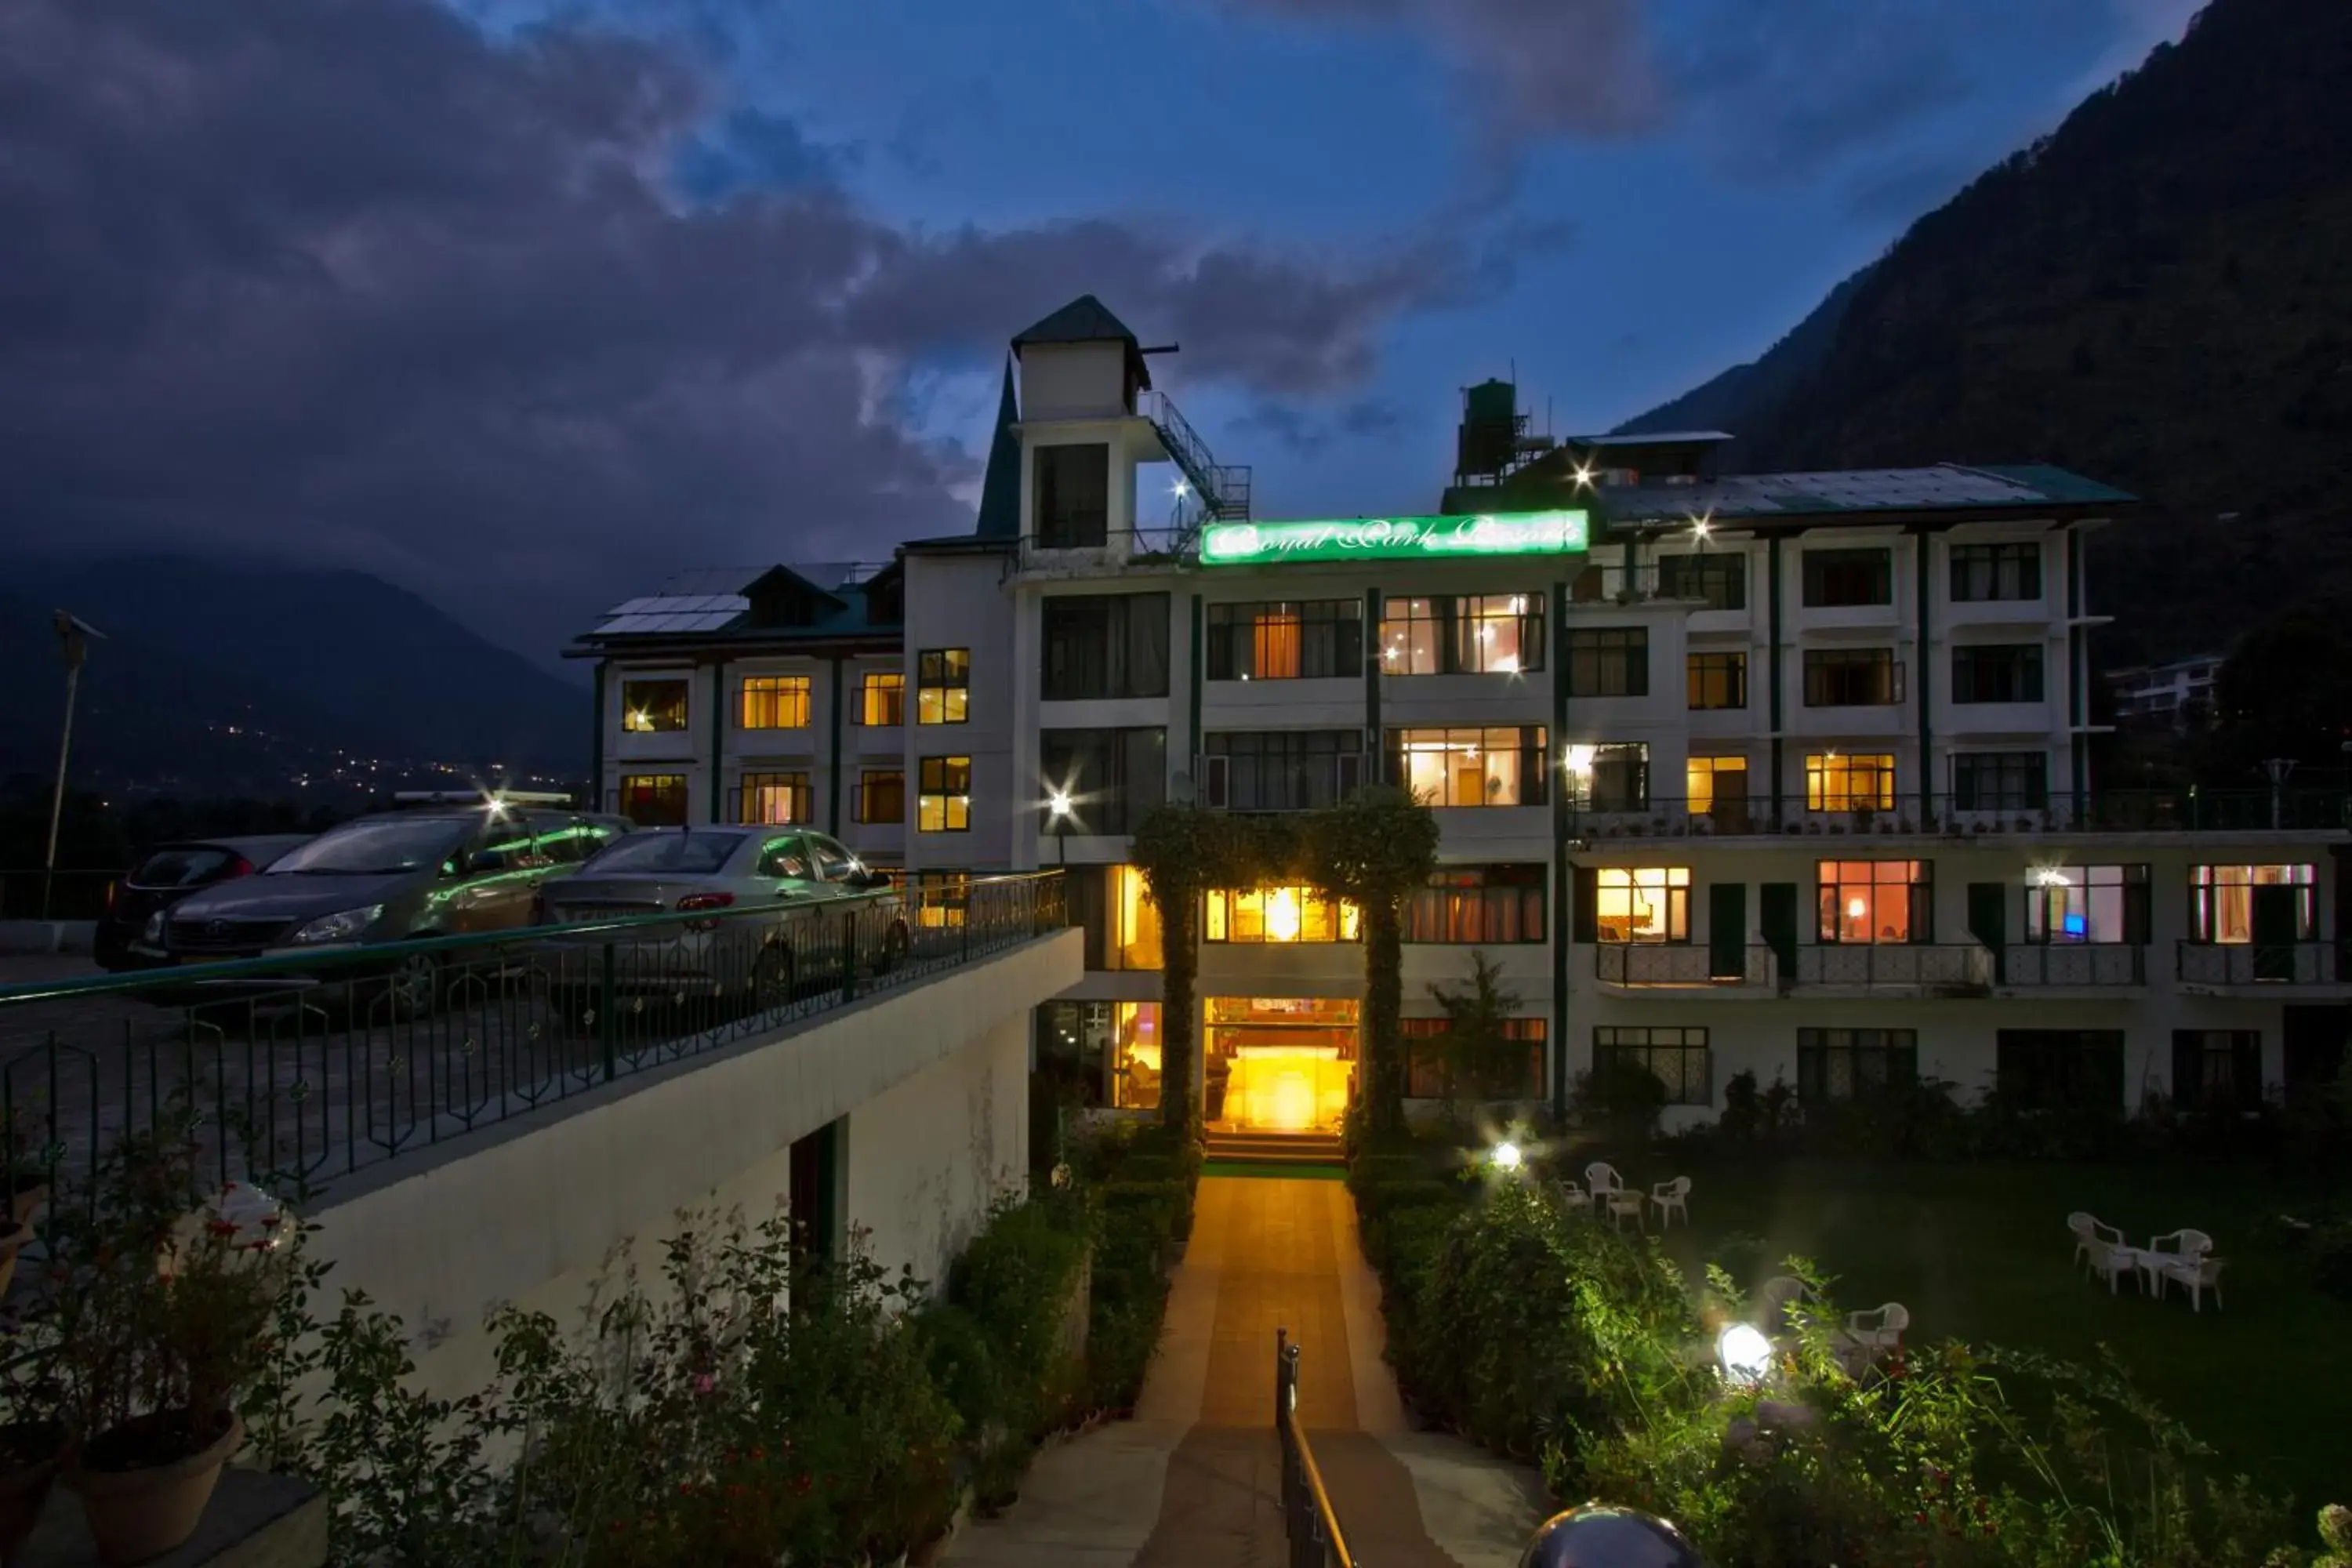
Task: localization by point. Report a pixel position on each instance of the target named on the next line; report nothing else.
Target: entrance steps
(1274, 1148)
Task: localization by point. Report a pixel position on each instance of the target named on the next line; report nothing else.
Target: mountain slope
(1734, 399)
(2158, 295)
(337, 659)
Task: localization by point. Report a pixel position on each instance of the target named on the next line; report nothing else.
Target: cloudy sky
(525, 303)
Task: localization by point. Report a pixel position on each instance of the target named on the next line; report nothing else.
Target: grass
(1275, 1169)
(1982, 1252)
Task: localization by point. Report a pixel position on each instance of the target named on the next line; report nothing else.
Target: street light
(1057, 810)
(74, 637)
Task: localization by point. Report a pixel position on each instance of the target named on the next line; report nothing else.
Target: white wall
(530, 1210)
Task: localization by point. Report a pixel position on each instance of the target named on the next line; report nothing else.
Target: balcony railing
(1944, 815)
(2259, 963)
(1310, 1525)
(1678, 964)
(2073, 963)
(1906, 966)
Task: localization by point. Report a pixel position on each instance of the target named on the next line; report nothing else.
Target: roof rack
(481, 797)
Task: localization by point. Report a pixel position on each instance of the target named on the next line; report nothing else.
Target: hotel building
(1785, 774)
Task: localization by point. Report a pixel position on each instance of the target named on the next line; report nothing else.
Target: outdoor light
(1180, 489)
(1058, 804)
(1746, 1355)
(1702, 526)
(1584, 475)
(2051, 877)
(1505, 1156)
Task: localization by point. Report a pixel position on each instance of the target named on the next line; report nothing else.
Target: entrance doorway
(1279, 1063)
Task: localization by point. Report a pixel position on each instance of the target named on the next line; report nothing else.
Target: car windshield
(187, 868)
(687, 852)
(381, 846)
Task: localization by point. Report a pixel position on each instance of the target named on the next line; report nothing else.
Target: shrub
(2331, 1259)
(1373, 1170)
(1620, 1102)
(1378, 1202)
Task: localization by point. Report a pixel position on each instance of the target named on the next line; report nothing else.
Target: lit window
(943, 801)
(882, 697)
(1134, 922)
(942, 685)
(1643, 903)
(1286, 640)
(1609, 778)
(882, 794)
(654, 800)
(2254, 903)
(775, 702)
(775, 797)
(1471, 634)
(1717, 680)
(649, 707)
(1498, 766)
(1279, 915)
(1716, 785)
(1876, 900)
(2087, 903)
(1134, 1056)
(1476, 904)
(1841, 781)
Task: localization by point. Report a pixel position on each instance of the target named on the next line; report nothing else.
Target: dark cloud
(1898, 192)
(343, 280)
(1307, 431)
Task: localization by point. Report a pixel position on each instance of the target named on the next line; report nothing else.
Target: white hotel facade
(1782, 774)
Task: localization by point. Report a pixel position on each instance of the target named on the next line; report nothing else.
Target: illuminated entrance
(1279, 1063)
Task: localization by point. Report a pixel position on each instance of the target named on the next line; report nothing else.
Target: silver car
(811, 900)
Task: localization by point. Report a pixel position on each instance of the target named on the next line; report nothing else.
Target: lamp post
(1058, 811)
(74, 637)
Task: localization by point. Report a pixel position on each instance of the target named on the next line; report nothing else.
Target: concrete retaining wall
(534, 1211)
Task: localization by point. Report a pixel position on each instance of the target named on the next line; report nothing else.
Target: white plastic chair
(2189, 1261)
(1628, 1203)
(2090, 1234)
(2112, 1261)
(1775, 1299)
(1879, 1331)
(1671, 1198)
(1604, 1180)
(1574, 1196)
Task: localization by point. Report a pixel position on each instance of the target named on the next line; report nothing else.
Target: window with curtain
(1997, 672)
(775, 702)
(1471, 634)
(1851, 678)
(1717, 680)
(1715, 783)
(1104, 646)
(1850, 1064)
(943, 796)
(943, 686)
(1613, 777)
(1641, 903)
(1493, 765)
(1515, 1071)
(1677, 1058)
(882, 794)
(653, 706)
(1848, 781)
(2222, 900)
(1609, 661)
(2217, 1068)
(2087, 904)
(654, 800)
(1843, 577)
(882, 697)
(774, 797)
(2060, 1070)
(2000, 780)
(1287, 915)
(1876, 900)
(1720, 581)
(1280, 770)
(1296, 639)
(1475, 905)
(1989, 571)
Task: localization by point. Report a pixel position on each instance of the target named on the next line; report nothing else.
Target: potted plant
(32, 1442)
(162, 1317)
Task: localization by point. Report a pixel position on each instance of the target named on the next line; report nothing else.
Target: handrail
(1309, 1523)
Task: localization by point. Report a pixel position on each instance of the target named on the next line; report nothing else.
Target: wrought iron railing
(2259, 963)
(1952, 815)
(1309, 1523)
(299, 1070)
(2073, 963)
(1680, 965)
(1223, 489)
(1965, 966)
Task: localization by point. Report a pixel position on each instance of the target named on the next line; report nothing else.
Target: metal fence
(295, 1070)
(2073, 963)
(1965, 966)
(2259, 964)
(1309, 1524)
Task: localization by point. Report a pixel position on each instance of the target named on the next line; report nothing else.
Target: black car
(169, 873)
(439, 871)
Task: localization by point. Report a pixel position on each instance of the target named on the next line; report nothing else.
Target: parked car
(437, 870)
(169, 873)
(803, 878)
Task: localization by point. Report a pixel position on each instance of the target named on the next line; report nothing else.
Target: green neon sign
(1392, 538)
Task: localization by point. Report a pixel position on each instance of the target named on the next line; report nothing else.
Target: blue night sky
(729, 280)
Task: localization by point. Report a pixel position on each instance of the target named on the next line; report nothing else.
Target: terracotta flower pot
(12, 1242)
(144, 1484)
(26, 1193)
(29, 1452)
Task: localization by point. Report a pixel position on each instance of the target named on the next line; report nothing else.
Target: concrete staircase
(1274, 1148)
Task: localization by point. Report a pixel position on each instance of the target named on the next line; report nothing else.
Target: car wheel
(414, 985)
(894, 947)
(771, 976)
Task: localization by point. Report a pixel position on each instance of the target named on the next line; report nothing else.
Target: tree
(1475, 1052)
(1375, 850)
(2279, 694)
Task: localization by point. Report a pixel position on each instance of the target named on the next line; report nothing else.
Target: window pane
(651, 706)
(882, 697)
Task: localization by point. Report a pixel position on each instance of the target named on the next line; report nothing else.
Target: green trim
(596, 739)
(718, 741)
(2076, 657)
(1777, 759)
(1924, 689)
(833, 788)
(1560, 878)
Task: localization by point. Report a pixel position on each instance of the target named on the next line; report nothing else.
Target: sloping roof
(1085, 320)
(712, 605)
(1944, 487)
(999, 488)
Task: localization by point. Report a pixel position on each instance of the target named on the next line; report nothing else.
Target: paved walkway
(1193, 1481)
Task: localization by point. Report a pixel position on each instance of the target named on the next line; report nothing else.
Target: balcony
(1678, 966)
(2104, 965)
(1922, 969)
(2123, 811)
(2260, 964)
